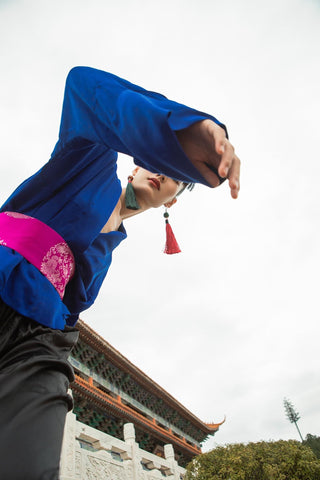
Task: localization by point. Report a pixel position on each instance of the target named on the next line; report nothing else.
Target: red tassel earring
(171, 242)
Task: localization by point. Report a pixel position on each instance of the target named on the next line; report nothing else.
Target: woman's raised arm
(108, 110)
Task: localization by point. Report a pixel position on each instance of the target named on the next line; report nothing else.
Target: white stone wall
(88, 454)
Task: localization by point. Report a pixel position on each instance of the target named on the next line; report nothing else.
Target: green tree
(292, 414)
(313, 442)
(281, 460)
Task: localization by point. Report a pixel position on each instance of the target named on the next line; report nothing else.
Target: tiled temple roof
(115, 384)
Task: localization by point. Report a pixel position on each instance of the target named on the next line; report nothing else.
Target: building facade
(114, 401)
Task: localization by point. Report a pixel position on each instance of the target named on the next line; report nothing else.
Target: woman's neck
(127, 212)
(120, 213)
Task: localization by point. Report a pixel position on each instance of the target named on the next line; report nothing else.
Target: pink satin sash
(42, 246)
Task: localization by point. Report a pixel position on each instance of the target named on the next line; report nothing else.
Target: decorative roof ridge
(215, 426)
(120, 360)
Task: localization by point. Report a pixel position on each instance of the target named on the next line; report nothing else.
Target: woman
(57, 234)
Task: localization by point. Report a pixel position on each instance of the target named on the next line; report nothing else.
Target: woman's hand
(205, 144)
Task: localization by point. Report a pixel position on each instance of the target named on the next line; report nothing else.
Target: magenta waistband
(40, 245)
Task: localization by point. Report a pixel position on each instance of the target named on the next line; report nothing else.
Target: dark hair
(186, 185)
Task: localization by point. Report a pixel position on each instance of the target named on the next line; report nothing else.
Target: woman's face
(154, 189)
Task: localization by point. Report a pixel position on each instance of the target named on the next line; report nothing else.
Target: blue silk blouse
(77, 190)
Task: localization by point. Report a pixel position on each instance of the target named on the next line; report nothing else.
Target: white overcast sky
(231, 325)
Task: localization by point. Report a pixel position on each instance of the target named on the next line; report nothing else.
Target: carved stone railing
(88, 454)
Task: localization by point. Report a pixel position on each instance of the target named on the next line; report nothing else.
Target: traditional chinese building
(124, 425)
(109, 391)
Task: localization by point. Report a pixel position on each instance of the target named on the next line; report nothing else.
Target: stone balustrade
(88, 454)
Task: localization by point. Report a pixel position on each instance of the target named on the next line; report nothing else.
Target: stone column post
(169, 455)
(134, 464)
(68, 452)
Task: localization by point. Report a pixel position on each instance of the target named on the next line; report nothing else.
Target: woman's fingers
(208, 149)
(219, 137)
(230, 167)
(207, 173)
(226, 159)
(234, 177)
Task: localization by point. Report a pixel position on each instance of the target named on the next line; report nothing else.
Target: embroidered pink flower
(3, 242)
(58, 266)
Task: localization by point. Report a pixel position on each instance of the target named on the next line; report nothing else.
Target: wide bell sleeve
(108, 110)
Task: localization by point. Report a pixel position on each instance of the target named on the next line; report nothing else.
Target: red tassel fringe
(171, 242)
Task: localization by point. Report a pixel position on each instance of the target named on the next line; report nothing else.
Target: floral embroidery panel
(58, 266)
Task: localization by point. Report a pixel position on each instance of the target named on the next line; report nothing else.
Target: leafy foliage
(313, 442)
(281, 460)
